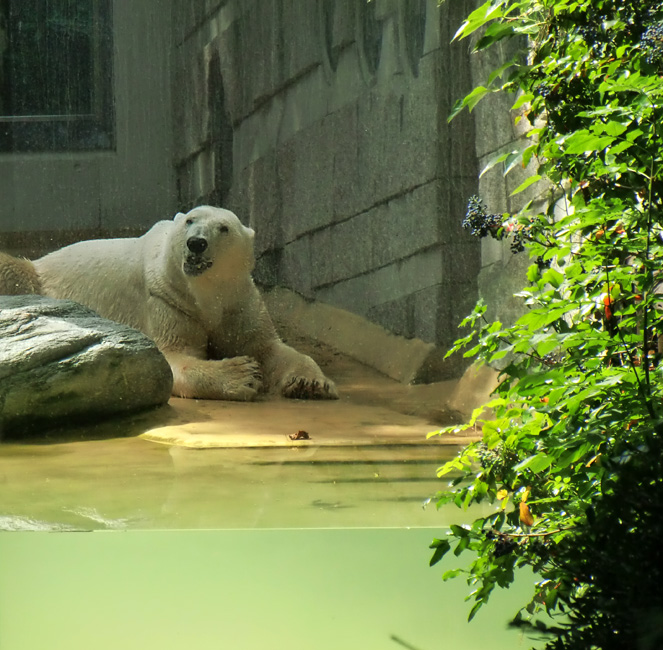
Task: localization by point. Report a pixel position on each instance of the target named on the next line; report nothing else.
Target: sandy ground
(373, 409)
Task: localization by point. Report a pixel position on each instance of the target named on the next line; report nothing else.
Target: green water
(309, 549)
(134, 484)
(348, 589)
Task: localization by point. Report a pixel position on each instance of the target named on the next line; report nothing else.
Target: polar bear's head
(213, 242)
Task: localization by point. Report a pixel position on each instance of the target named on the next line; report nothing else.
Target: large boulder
(61, 363)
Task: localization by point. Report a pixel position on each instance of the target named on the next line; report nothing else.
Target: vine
(570, 453)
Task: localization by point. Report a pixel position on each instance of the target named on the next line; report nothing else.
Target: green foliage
(570, 453)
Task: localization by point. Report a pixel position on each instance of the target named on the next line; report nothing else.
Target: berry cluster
(550, 360)
(487, 457)
(589, 33)
(478, 221)
(542, 264)
(480, 224)
(652, 43)
(504, 544)
(519, 236)
(497, 460)
(546, 91)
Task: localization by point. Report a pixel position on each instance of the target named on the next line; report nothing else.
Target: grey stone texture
(61, 363)
(352, 177)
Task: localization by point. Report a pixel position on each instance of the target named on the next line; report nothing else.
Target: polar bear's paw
(309, 388)
(296, 375)
(237, 378)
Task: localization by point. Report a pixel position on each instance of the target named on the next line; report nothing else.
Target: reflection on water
(331, 589)
(16, 523)
(135, 484)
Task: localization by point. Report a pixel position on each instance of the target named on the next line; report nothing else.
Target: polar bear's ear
(179, 216)
(249, 232)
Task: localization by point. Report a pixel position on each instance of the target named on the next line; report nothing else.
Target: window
(55, 75)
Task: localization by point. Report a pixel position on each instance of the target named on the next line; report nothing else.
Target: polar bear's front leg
(295, 375)
(236, 378)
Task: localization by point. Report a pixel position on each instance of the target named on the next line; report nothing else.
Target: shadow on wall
(220, 134)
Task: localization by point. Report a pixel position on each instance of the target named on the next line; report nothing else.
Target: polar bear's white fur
(18, 276)
(187, 284)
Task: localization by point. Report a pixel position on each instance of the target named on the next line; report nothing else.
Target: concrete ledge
(473, 389)
(208, 424)
(405, 360)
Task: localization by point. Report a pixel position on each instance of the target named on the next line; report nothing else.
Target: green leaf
(494, 160)
(620, 147)
(475, 608)
(498, 72)
(553, 277)
(514, 158)
(522, 100)
(441, 547)
(459, 531)
(453, 573)
(614, 128)
(523, 186)
(535, 464)
(547, 346)
(461, 546)
(479, 17)
(584, 142)
(469, 101)
(475, 97)
(532, 273)
(494, 32)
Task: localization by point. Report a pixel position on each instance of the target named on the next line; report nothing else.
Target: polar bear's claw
(242, 378)
(305, 388)
(235, 378)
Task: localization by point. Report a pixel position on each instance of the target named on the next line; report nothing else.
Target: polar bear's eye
(189, 222)
(223, 228)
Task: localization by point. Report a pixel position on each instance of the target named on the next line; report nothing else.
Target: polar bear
(18, 276)
(187, 284)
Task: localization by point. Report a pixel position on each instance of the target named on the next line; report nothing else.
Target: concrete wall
(342, 157)
(497, 131)
(323, 124)
(52, 198)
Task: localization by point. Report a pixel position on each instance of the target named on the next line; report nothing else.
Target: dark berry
(496, 461)
(542, 264)
(503, 543)
(479, 222)
(652, 43)
(589, 33)
(517, 241)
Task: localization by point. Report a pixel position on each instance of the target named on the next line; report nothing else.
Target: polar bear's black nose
(196, 245)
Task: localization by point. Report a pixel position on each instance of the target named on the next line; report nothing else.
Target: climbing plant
(570, 450)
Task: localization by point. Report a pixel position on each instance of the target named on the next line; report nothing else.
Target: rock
(61, 363)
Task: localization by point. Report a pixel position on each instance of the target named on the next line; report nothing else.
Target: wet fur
(200, 307)
(18, 276)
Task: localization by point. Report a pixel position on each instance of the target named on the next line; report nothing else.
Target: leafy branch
(570, 443)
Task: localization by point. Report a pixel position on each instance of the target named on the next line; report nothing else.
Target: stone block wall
(323, 125)
(503, 273)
